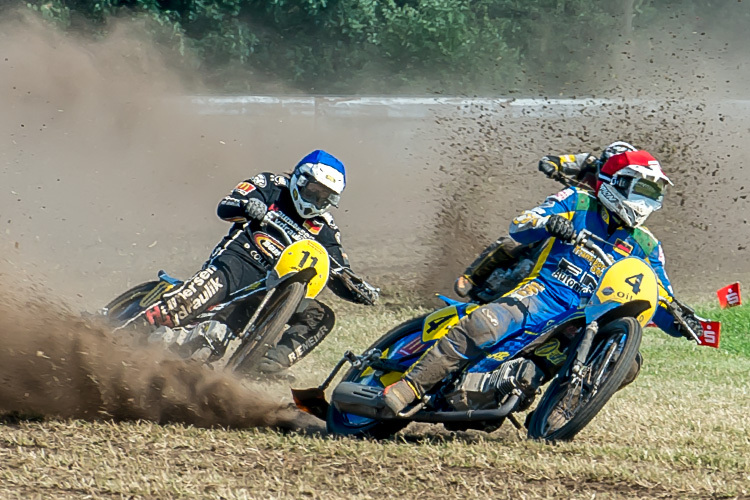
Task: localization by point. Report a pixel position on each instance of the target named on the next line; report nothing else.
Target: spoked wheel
(268, 330)
(348, 424)
(571, 402)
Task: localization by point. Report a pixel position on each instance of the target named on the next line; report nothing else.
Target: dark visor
(318, 194)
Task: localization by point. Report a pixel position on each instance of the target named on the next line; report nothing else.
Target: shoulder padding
(645, 239)
(328, 218)
(585, 201)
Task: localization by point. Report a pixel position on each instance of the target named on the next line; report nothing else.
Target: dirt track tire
(344, 424)
(269, 329)
(119, 309)
(624, 337)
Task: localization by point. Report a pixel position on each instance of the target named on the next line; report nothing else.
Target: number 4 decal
(635, 282)
(437, 322)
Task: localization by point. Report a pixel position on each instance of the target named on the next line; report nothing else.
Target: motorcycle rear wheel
(566, 408)
(127, 305)
(268, 330)
(347, 424)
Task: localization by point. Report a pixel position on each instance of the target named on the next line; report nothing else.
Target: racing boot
(308, 329)
(278, 358)
(435, 364)
(398, 396)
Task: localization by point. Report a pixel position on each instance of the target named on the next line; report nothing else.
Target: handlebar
(568, 181)
(344, 273)
(678, 309)
(588, 240)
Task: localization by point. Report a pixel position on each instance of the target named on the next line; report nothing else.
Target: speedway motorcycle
(252, 320)
(585, 360)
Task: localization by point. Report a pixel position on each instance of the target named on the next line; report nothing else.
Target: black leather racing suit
(246, 253)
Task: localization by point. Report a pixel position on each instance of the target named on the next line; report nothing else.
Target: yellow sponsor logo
(499, 356)
(551, 351)
(155, 293)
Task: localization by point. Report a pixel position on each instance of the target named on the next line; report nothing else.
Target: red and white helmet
(615, 148)
(632, 185)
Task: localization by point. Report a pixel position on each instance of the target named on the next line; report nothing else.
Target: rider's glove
(463, 286)
(549, 165)
(694, 324)
(255, 209)
(368, 294)
(560, 227)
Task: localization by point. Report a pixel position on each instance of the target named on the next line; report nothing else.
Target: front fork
(578, 369)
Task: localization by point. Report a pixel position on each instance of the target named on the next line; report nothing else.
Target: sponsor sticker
(729, 296)
(244, 188)
(562, 195)
(279, 180)
(268, 245)
(260, 180)
(411, 347)
(623, 247)
(551, 351)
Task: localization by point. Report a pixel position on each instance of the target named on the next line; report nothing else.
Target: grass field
(682, 430)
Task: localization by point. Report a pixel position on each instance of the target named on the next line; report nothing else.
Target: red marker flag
(711, 333)
(729, 296)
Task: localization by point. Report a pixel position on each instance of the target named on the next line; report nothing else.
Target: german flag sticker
(623, 248)
(313, 227)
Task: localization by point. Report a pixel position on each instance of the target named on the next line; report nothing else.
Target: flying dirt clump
(56, 364)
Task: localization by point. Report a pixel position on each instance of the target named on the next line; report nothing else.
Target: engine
(480, 391)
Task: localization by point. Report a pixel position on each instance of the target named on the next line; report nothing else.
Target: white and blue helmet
(317, 183)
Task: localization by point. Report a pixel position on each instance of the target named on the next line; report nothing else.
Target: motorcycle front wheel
(571, 402)
(268, 329)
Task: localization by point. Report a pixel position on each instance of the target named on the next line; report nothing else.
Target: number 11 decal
(313, 261)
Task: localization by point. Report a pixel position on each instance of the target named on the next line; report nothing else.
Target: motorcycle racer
(505, 262)
(301, 203)
(630, 186)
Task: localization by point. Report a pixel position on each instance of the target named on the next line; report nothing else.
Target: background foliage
(457, 46)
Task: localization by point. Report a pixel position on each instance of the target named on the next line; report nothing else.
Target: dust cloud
(107, 174)
(53, 363)
(681, 95)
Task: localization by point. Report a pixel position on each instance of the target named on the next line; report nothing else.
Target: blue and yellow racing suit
(564, 274)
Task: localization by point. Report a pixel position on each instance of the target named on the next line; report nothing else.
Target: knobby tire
(125, 300)
(615, 372)
(268, 331)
